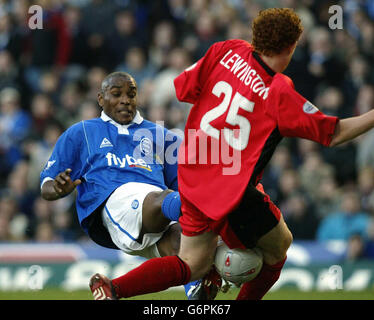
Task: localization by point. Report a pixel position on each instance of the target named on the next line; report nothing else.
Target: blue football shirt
(105, 155)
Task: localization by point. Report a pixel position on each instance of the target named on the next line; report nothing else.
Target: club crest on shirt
(309, 108)
(146, 146)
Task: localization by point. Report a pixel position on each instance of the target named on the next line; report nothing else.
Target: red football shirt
(241, 110)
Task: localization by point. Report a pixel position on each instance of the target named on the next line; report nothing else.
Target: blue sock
(171, 206)
(188, 288)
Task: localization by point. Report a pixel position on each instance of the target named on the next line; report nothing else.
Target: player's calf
(159, 208)
(198, 252)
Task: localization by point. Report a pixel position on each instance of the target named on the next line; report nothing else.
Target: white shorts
(122, 217)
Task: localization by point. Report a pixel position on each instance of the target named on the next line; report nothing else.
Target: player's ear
(100, 99)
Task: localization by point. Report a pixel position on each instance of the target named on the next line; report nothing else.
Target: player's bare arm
(60, 187)
(350, 128)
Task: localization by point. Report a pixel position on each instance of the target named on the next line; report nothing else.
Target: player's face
(119, 99)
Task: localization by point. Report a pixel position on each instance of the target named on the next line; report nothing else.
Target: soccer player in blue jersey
(125, 170)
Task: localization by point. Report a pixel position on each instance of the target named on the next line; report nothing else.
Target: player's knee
(160, 196)
(282, 246)
(287, 241)
(169, 244)
(199, 266)
(278, 251)
(155, 200)
(152, 203)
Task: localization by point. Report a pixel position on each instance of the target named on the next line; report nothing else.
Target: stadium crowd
(49, 79)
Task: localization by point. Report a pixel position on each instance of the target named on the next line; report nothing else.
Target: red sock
(259, 286)
(153, 275)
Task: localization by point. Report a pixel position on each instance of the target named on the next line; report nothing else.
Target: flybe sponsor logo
(126, 161)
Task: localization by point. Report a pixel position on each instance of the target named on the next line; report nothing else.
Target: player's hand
(63, 184)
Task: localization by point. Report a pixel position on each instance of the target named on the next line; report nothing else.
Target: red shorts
(255, 216)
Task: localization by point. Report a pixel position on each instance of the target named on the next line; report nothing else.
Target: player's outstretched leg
(274, 246)
(157, 274)
(168, 203)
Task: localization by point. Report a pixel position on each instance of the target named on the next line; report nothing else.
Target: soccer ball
(238, 265)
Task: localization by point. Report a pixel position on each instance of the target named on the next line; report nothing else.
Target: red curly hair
(275, 30)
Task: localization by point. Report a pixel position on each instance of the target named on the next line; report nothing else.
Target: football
(238, 265)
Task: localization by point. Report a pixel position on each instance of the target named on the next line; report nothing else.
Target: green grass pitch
(283, 294)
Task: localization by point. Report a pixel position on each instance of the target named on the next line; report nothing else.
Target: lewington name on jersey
(245, 73)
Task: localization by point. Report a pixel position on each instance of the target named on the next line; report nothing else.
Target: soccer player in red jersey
(242, 107)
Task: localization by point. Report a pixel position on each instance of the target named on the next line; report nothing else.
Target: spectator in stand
(343, 224)
(358, 75)
(289, 183)
(39, 150)
(49, 83)
(365, 99)
(50, 47)
(163, 41)
(70, 100)
(328, 197)
(9, 40)
(96, 31)
(323, 65)
(42, 113)
(136, 63)
(79, 50)
(163, 90)
(207, 32)
(13, 223)
(365, 145)
(9, 71)
(88, 109)
(300, 216)
(14, 128)
(17, 187)
(126, 35)
(312, 172)
(365, 183)
(343, 158)
(281, 161)
(331, 101)
(94, 77)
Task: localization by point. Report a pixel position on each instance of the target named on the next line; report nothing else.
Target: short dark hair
(275, 29)
(123, 74)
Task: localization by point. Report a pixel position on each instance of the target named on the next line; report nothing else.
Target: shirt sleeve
(297, 117)
(64, 156)
(189, 83)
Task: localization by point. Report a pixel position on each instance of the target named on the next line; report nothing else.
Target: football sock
(259, 286)
(153, 275)
(171, 206)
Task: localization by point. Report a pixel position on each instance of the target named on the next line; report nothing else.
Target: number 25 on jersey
(240, 141)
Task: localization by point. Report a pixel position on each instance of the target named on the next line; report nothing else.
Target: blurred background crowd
(49, 80)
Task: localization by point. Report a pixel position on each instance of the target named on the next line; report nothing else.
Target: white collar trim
(122, 128)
